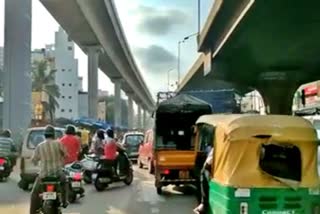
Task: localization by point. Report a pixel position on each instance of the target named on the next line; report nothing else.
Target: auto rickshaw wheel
(159, 190)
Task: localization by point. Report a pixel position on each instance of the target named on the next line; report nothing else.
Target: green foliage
(43, 80)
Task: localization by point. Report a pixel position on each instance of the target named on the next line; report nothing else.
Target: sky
(153, 29)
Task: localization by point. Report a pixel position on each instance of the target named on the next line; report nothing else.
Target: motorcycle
(5, 168)
(89, 165)
(74, 175)
(51, 196)
(105, 173)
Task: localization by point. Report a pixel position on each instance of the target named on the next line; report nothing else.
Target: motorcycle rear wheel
(129, 178)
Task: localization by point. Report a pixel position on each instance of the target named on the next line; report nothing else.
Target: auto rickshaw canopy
(241, 144)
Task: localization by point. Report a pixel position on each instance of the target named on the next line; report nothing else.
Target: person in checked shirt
(51, 154)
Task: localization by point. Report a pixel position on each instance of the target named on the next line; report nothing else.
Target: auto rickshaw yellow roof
(239, 137)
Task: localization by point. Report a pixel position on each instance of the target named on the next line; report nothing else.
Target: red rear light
(2, 161)
(166, 171)
(77, 176)
(50, 188)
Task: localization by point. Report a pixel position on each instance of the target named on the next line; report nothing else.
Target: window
(70, 97)
(62, 97)
(62, 110)
(69, 39)
(70, 110)
(69, 70)
(134, 140)
(70, 84)
(37, 136)
(69, 48)
(63, 84)
(206, 137)
(281, 161)
(63, 70)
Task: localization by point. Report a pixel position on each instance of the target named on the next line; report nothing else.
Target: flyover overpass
(95, 26)
(271, 46)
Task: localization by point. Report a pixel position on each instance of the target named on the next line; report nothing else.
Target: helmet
(49, 132)
(6, 133)
(100, 134)
(110, 133)
(70, 129)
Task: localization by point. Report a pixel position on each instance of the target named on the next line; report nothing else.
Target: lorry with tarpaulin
(173, 150)
(221, 101)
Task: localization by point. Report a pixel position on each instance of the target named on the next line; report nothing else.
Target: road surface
(139, 198)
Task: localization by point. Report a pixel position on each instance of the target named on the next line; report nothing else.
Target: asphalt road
(138, 198)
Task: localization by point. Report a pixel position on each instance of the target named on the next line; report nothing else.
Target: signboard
(311, 90)
(207, 62)
(311, 99)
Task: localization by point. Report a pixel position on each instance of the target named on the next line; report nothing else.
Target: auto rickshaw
(173, 150)
(264, 164)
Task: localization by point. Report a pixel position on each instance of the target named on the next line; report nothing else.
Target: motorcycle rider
(6, 137)
(111, 150)
(72, 144)
(51, 154)
(97, 146)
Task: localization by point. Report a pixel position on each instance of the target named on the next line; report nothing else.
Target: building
(66, 76)
(253, 102)
(102, 110)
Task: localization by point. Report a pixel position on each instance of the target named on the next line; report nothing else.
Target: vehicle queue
(239, 163)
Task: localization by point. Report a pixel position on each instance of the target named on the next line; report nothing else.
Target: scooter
(5, 168)
(89, 165)
(105, 173)
(74, 175)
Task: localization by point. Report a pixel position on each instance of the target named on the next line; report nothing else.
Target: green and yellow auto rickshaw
(264, 164)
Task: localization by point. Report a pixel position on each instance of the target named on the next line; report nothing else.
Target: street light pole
(169, 78)
(199, 16)
(179, 44)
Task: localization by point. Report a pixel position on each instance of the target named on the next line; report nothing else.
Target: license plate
(184, 174)
(104, 180)
(1, 167)
(76, 184)
(49, 196)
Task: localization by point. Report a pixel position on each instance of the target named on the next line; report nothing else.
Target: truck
(222, 101)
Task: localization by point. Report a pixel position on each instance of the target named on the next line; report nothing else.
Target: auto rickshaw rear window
(281, 161)
(206, 134)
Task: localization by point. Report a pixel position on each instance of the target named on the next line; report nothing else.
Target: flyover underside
(274, 49)
(91, 24)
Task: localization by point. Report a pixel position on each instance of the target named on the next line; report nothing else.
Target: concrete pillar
(144, 126)
(17, 66)
(278, 100)
(130, 111)
(93, 60)
(117, 102)
(139, 117)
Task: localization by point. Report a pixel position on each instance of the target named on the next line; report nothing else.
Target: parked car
(28, 171)
(145, 157)
(131, 142)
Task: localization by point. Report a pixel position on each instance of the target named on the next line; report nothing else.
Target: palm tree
(43, 80)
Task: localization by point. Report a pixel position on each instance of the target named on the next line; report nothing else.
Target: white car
(131, 142)
(28, 171)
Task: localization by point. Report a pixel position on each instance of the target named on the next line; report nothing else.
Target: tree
(43, 80)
